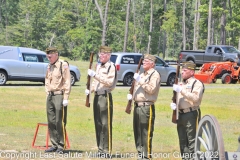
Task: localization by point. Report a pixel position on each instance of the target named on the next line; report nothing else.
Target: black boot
(50, 150)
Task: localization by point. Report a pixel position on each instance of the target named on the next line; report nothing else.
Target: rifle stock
(174, 99)
(87, 104)
(129, 105)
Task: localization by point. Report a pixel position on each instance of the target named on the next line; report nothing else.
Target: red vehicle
(228, 72)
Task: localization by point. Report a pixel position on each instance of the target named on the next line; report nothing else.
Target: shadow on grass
(33, 85)
(73, 151)
(24, 85)
(93, 154)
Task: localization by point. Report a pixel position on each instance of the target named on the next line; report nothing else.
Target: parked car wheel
(73, 78)
(226, 78)
(127, 80)
(3, 78)
(171, 79)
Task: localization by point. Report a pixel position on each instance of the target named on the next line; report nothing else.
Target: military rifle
(129, 105)
(87, 104)
(174, 99)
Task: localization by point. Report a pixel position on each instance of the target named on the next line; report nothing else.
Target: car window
(209, 49)
(159, 62)
(30, 57)
(137, 59)
(113, 58)
(230, 50)
(45, 60)
(128, 59)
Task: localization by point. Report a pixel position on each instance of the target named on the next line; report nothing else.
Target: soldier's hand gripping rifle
(129, 105)
(174, 99)
(87, 104)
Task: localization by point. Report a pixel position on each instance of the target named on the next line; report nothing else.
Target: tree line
(159, 27)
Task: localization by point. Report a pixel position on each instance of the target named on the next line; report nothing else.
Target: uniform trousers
(187, 124)
(103, 113)
(143, 126)
(57, 119)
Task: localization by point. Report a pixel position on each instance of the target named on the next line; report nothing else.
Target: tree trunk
(223, 24)
(126, 27)
(134, 29)
(150, 27)
(159, 38)
(105, 24)
(6, 21)
(230, 8)
(238, 43)
(184, 25)
(196, 25)
(103, 20)
(209, 22)
(99, 10)
(212, 32)
(1, 11)
(164, 34)
(51, 41)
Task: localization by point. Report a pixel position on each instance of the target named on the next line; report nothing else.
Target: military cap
(189, 65)
(151, 57)
(105, 49)
(51, 50)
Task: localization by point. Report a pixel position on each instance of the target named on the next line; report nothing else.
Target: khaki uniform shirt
(146, 90)
(186, 98)
(105, 78)
(55, 81)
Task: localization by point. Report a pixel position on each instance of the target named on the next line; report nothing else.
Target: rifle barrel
(129, 105)
(87, 104)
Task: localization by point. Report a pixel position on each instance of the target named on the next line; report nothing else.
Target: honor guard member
(104, 81)
(145, 94)
(58, 87)
(189, 97)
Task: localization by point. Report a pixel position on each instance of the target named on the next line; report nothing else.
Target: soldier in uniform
(145, 94)
(103, 83)
(57, 87)
(189, 97)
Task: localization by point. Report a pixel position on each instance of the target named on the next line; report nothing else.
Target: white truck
(26, 64)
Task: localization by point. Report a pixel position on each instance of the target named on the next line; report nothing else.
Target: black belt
(181, 110)
(143, 103)
(101, 92)
(190, 110)
(53, 93)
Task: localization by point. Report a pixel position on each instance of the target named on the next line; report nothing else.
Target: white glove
(137, 77)
(173, 106)
(87, 91)
(91, 73)
(65, 102)
(177, 88)
(129, 96)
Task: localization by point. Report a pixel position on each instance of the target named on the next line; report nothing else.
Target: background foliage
(75, 27)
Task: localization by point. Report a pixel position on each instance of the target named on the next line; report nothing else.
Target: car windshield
(230, 50)
(159, 62)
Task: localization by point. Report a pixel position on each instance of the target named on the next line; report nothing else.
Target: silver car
(27, 64)
(126, 65)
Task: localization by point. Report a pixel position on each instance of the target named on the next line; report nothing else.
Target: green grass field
(22, 106)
